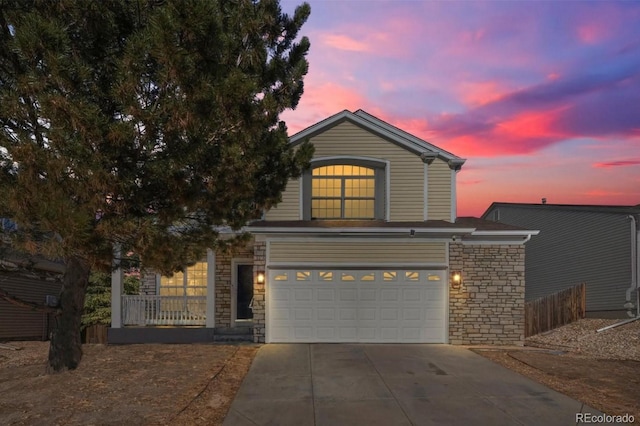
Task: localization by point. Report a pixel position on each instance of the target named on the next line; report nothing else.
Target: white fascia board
(352, 239)
(358, 265)
(505, 233)
(303, 134)
(519, 241)
(401, 133)
(303, 230)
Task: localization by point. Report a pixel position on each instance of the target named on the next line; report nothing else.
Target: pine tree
(146, 124)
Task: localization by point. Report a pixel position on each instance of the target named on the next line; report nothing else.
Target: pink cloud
(521, 133)
(480, 93)
(320, 101)
(589, 33)
(592, 32)
(376, 38)
(416, 126)
(343, 42)
(470, 182)
(618, 163)
(466, 37)
(527, 125)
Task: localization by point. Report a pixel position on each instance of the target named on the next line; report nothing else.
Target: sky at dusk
(541, 98)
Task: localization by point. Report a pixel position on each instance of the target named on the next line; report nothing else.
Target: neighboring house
(364, 247)
(579, 243)
(43, 279)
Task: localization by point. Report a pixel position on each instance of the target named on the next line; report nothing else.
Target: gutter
(366, 230)
(635, 272)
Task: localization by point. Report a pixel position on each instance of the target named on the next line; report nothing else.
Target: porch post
(116, 289)
(211, 289)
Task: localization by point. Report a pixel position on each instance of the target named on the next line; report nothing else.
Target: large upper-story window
(344, 189)
(342, 192)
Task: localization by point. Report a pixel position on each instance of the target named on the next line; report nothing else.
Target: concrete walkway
(349, 384)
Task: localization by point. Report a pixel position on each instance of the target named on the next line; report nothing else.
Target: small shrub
(97, 303)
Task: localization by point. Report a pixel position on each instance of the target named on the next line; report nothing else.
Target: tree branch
(25, 304)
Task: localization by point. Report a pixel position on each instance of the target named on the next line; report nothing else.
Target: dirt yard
(195, 384)
(601, 370)
(133, 384)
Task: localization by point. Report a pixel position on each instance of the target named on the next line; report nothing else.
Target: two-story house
(364, 247)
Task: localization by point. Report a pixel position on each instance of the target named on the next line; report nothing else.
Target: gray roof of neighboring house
(569, 207)
(380, 128)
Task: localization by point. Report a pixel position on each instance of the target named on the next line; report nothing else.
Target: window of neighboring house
(192, 281)
(8, 225)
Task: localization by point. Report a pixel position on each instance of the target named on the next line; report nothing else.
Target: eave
(446, 232)
(382, 129)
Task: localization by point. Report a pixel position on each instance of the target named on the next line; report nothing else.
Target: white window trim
(386, 164)
(184, 278)
(211, 289)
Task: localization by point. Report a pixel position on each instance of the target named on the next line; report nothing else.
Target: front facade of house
(596, 245)
(364, 247)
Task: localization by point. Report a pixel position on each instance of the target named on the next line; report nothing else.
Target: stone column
(259, 267)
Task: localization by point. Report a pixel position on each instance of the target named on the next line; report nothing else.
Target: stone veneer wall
(223, 282)
(148, 282)
(259, 267)
(488, 308)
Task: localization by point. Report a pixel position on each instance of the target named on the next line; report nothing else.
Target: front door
(244, 296)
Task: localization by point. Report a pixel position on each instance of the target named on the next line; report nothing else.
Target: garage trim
(376, 324)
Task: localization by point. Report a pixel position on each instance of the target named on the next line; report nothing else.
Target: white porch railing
(164, 310)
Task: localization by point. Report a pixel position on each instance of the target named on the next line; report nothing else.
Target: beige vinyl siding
(407, 171)
(439, 191)
(351, 252)
(289, 207)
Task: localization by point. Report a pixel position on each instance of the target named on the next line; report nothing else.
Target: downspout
(634, 268)
(635, 272)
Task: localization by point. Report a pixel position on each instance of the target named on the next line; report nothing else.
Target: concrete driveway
(352, 384)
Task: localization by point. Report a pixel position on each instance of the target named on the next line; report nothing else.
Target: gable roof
(381, 128)
(568, 207)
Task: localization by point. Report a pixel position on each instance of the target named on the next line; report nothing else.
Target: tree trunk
(65, 351)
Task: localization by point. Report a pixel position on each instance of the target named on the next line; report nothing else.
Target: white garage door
(338, 305)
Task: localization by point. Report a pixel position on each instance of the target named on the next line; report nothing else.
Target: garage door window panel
(412, 276)
(325, 276)
(390, 276)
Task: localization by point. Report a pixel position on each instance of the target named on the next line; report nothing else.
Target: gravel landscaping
(581, 338)
(602, 370)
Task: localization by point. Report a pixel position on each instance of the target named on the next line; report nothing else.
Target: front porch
(153, 310)
(209, 301)
(178, 335)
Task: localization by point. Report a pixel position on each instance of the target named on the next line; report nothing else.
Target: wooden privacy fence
(555, 310)
(96, 333)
